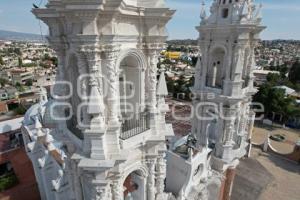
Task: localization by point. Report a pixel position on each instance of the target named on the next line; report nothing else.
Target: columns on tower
(229, 126)
(96, 104)
(117, 190)
(151, 179)
(102, 191)
(152, 80)
(94, 141)
(59, 90)
(160, 174)
(83, 88)
(251, 120)
(112, 81)
(113, 99)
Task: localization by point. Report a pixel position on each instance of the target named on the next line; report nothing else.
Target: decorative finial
(258, 12)
(203, 12)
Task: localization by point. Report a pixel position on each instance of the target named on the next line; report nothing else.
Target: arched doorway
(134, 186)
(215, 75)
(132, 86)
(72, 76)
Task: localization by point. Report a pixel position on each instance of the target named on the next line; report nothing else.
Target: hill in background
(11, 35)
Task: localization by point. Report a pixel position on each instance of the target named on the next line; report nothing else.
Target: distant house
(288, 91)
(3, 95)
(15, 165)
(21, 76)
(8, 93)
(3, 107)
(5, 75)
(12, 92)
(261, 75)
(173, 55)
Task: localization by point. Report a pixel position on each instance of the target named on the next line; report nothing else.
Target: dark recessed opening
(225, 13)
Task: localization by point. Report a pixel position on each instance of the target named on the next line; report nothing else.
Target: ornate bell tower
(224, 81)
(109, 115)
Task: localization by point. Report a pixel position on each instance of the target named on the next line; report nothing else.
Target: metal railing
(138, 124)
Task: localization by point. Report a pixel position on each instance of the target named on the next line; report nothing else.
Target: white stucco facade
(223, 120)
(103, 135)
(114, 143)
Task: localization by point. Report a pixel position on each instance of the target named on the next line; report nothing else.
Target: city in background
(27, 64)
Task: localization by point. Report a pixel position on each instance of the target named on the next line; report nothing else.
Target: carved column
(160, 174)
(83, 87)
(229, 126)
(112, 94)
(112, 81)
(251, 121)
(152, 80)
(117, 190)
(151, 180)
(102, 192)
(96, 104)
(60, 90)
(94, 141)
(205, 65)
(61, 56)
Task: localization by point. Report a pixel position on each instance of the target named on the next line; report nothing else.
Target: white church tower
(223, 86)
(103, 136)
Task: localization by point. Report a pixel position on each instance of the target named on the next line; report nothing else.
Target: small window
(225, 13)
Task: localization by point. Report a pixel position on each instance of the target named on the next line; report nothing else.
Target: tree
(17, 51)
(194, 61)
(46, 57)
(273, 78)
(3, 82)
(19, 87)
(20, 62)
(294, 75)
(1, 61)
(28, 82)
(20, 110)
(274, 100)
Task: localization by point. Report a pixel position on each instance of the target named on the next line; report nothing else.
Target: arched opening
(72, 76)
(212, 134)
(135, 119)
(131, 86)
(246, 68)
(215, 75)
(134, 186)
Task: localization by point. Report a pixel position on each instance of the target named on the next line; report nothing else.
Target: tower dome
(233, 11)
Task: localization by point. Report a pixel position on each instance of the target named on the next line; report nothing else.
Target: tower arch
(217, 67)
(132, 65)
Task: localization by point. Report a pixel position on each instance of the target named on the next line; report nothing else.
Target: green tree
(274, 100)
(20, 110)
(19, 87)
(273, 78)
(28, 82)
(3, 82)
(1, 61)
(17, 51)
(20, 62)
(46, 57)
(294, 75)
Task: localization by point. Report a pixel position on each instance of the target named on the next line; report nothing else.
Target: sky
(282, 18)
